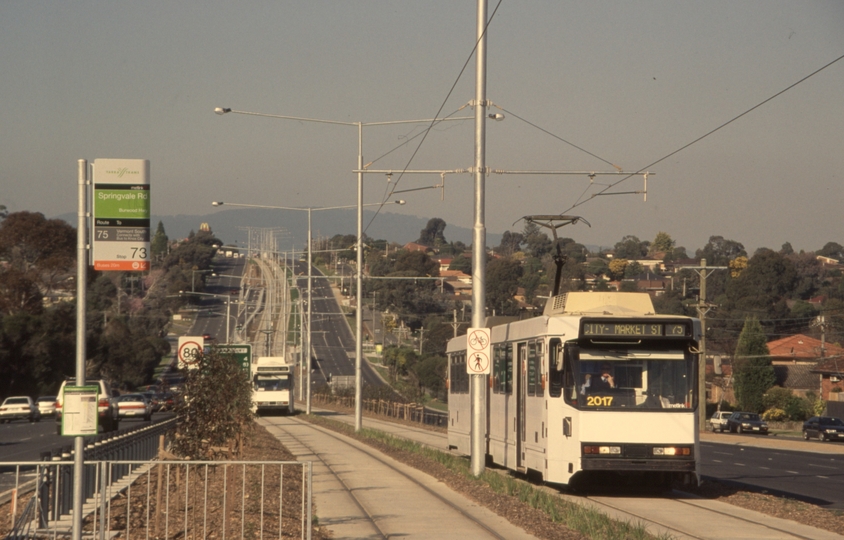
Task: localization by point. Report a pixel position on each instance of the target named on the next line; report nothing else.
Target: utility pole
(702, 309)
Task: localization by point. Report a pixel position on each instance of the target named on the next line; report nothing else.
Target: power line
(725, 124)
(433, 122)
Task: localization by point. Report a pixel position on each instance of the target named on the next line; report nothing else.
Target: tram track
(659, 513)
(383, 461)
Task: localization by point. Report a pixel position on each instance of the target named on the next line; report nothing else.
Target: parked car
(108, 415)
(746, 422)
(46, 405)
(133, 406)
(19, 407)
(718, 422)
(825, 428)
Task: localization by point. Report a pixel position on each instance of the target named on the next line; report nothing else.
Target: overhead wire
(433, 122)
(707, 134)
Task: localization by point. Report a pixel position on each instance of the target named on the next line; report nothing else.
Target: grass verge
(588, 522)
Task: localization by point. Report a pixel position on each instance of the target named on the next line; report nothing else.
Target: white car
(718, 422)
(19, 407)
(46, 405)
(134, 406)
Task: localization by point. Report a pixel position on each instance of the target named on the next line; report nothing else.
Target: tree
(718, 251)
(662, 243)
(159, 243)
(510, 243)
(630, 247)
(432, 235)
(768, 278)
(502, 283)
(536, 241)
(461, 263)
(416, 263)
(617, 268)
(217, 408)
(753, 373)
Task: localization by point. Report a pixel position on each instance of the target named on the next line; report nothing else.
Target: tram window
(541, 370)
(532, 374)
(571, 357)
(498, 373)
(508, 369)
(555, 368)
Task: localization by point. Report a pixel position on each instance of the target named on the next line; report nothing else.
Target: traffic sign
(242, 354)
(121, 236)
(190, 348)
(478, 351)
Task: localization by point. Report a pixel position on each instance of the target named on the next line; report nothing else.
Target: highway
(814, 474)
(333, 339)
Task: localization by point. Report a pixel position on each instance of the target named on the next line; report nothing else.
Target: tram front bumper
(622, 464)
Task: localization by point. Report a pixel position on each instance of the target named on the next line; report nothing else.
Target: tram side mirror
(556, 348)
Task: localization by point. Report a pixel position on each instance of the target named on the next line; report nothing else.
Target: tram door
(521, 405)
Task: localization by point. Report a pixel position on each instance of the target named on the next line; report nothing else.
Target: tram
(598, 387)
(272, 386)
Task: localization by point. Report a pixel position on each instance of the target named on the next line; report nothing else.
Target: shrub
(774, 415)
(215, 408)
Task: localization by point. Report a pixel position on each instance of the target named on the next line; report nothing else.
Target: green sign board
(242, 353)
(121, 237)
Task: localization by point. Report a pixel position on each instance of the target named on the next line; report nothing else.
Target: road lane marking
(823, 466)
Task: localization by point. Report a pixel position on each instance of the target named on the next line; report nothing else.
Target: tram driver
(605, 381)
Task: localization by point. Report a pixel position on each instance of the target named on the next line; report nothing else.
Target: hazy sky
(628, 81)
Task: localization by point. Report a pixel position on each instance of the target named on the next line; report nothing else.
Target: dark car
(825, 428)
(746, 422)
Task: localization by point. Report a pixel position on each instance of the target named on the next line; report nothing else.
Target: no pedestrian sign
(478, 351)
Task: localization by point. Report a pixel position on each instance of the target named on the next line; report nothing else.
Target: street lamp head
(217, 203)
(400, 201)
(222, 110)
(494, 116)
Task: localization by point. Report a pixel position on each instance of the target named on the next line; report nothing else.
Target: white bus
(272, 386)
(598, 387)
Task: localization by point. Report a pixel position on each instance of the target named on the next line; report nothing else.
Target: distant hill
(230, 225)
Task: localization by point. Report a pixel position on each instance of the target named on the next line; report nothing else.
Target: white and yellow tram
(597, 385)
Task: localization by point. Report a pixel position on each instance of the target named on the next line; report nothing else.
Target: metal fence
(412, 412)
(127, 493)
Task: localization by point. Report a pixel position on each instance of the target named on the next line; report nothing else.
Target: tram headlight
(672, 451)
(605, 450)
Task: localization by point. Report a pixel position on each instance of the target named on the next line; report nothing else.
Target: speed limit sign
(190, 348)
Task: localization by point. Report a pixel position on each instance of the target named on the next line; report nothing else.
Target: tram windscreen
(271, 382)
(637, 379)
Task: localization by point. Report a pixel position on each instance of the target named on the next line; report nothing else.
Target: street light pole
(310, 303)
(359, 294)
(359, 275)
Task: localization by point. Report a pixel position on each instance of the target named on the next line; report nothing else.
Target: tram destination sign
(646, 329)
(121, 231)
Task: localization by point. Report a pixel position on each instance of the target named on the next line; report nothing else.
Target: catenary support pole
(479, 243)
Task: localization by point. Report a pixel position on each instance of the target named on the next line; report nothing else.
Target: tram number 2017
(599, 401)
